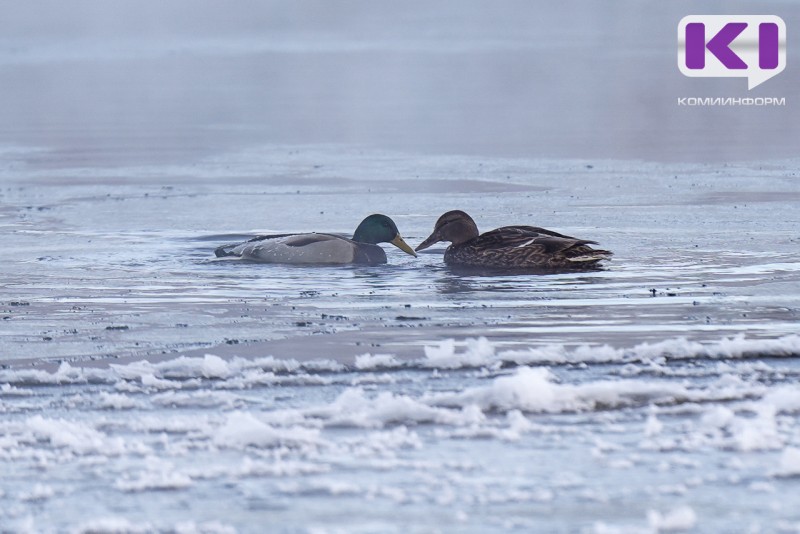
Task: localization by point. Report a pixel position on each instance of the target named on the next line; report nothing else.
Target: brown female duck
(511, 247)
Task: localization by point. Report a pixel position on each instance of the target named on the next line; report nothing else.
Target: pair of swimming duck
(509, 247)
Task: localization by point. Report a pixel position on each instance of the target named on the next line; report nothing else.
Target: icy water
(146, 386)
(150, 387)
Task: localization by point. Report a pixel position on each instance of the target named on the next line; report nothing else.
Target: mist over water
(121, 82)
(146, 386)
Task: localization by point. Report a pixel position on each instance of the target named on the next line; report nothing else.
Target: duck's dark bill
(432, 239)
(402, 245)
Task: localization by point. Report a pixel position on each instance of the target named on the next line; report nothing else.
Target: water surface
(138, 366)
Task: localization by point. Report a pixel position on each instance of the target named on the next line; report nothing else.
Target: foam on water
(303, 439)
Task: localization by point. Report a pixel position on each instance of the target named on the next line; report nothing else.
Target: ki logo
(724, 46)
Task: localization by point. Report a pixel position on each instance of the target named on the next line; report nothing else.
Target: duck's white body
(300, 249)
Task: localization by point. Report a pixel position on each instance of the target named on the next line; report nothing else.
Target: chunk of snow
(113, 525)
(116, 401)
(652, 426)
(790, 463)
(370, 361)
(678, 519)
(354, 408)
(242, 429)
(154, 481)
(479, 352)
(78, 437)
(533, 389)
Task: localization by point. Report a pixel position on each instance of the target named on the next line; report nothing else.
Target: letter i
(768, 45)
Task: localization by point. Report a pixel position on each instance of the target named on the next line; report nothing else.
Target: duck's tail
(224, 251)
(591, 257)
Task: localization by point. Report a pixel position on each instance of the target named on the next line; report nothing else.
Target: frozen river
(148, 386)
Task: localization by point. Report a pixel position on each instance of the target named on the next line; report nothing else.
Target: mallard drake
(511, 247)
(319, 248)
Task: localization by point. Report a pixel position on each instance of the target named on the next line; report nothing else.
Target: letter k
(719, 45)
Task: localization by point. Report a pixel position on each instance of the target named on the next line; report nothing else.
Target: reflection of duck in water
(314, 248)
(511, 247)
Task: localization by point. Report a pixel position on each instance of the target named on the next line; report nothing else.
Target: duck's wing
(528, 248)
(530, 238)
(533, 230)
(228, 250)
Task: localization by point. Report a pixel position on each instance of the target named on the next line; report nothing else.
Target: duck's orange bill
(402, 245)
